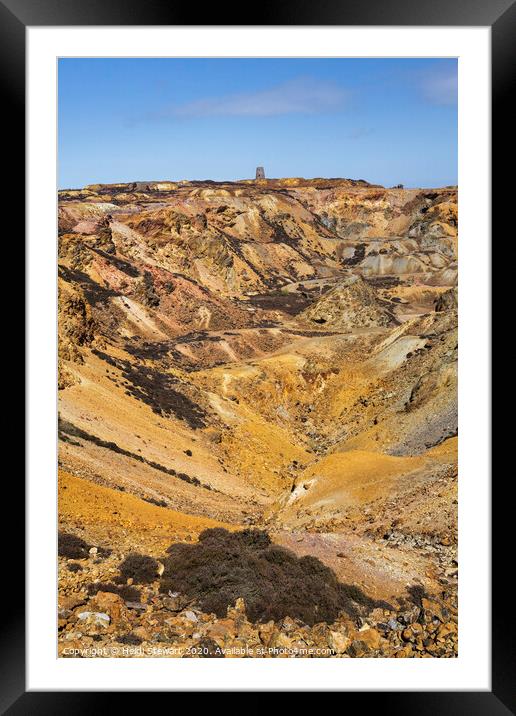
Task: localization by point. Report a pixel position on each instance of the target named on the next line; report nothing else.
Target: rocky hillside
(353, 303)
(275, 353)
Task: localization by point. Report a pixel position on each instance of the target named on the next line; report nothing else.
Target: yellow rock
(338, 642)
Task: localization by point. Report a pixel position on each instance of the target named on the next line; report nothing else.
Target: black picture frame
(500, 15)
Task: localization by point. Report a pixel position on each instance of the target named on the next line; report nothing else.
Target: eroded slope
(279, 353)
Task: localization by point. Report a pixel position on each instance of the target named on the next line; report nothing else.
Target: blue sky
(388, 121)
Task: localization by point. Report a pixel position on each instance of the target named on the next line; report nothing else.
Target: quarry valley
(257, 420)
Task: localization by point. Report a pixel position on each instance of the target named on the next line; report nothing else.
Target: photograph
(257, 348)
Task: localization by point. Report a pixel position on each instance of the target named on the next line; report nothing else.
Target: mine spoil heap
(258, 378)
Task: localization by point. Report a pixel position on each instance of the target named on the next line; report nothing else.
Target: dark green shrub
(417, 593)
(130, 639)
(103, 552)
(71, 546)
(126, 591)
(272, 580)
(142, 568)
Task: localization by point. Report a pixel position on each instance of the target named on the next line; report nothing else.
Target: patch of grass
(272, 580)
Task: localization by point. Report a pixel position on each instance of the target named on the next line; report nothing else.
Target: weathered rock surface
(270, 352)
(351, 304)
(429, 629)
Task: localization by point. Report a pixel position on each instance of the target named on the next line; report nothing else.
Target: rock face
(275, 353)
(351, 304)
(246, 236)
(447, 300)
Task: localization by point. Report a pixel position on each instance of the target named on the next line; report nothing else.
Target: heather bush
(417, 593)
(272, 580)
(127, 592)
(71, 546)
(130, 639)
(140, 567)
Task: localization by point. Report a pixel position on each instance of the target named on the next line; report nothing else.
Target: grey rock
(175, 602)
(191, 616)
(98, 618)
(138, 606)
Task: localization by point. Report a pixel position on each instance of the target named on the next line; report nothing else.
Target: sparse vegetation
(71, 546)
(158, 503)
(294, 343)
(126, 591)
(145, 291)
(273, 581)
(141, 568)
(129, 639)
(417, 594)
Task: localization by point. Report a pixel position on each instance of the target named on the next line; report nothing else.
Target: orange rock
(372, 638)
(224, 629)
(110, 603)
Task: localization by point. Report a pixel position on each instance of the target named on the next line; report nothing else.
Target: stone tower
(260, 173)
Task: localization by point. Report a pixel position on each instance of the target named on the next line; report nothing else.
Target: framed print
(258, 292)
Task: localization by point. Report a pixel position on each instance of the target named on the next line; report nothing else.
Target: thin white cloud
(299, 96)
(441, 87)
(360, 132)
